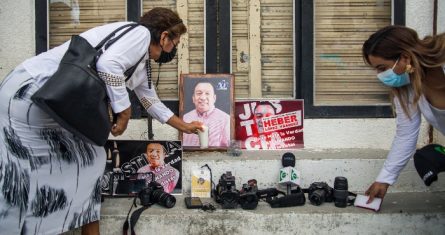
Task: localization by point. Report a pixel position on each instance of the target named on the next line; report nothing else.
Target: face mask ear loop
(397, 61)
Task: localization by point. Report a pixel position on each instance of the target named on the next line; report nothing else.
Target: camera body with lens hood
(319, 192)
(248, 198)
(154, 193)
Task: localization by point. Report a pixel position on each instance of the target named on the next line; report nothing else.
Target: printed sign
(132, 164)
(201, 183)
(271, 124)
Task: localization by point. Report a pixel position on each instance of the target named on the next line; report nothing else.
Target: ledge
(401, 213)
(300, 154)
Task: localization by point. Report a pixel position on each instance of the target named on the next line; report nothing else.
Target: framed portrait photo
(207, 98)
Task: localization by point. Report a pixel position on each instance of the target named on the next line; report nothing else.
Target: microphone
(289, 176)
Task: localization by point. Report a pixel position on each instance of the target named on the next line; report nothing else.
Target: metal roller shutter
(262, 31)
(341, 27)
(69, 17)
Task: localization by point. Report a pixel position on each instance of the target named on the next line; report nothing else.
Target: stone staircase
(409, 207)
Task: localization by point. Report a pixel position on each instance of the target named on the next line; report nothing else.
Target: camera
(277, 198)
(268, 193)
(154, 193)
(319, 192)
(248, 198)
(341, 191)
(225, 192)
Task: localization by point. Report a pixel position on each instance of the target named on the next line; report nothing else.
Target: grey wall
(16, 33)
(441, 17)
(419, 16)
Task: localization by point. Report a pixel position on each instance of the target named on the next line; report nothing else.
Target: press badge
(201, 184)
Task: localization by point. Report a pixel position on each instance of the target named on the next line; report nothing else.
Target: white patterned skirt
(49, 178)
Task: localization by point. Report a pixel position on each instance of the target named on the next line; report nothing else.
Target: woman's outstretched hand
(376, 190)
(121, 123)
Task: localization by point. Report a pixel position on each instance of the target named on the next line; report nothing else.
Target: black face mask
(166, 57)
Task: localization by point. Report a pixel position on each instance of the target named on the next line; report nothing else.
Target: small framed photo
(207, 98)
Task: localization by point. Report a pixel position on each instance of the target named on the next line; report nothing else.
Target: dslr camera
(225, 192)
(154, 193)
(248, 198)
(319, 192)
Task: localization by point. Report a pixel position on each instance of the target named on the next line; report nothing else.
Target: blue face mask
(392, 79)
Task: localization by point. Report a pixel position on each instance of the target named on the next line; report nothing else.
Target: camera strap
(137, 213)
(211, 179)
(133, 218)
(351, 198)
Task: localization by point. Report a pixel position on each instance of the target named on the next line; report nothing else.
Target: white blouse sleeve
(120, 56)
(403, 145)
(150, 100)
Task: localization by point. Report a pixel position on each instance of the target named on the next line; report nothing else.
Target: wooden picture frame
(195, 107)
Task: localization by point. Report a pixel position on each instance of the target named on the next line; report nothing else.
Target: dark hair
(389, 42)
(164, 148)
(160, 19)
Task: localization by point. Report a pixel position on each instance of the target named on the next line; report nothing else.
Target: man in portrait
(165, 174)
(217, 121)
(262, 110)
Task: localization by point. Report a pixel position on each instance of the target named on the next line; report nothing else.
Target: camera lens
(163, 198)
(341, 183)
(317, 197)
(340, 191)
(230, 197)
(248, 201)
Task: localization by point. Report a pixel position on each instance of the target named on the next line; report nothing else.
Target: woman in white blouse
(50, 179)
(414, 69)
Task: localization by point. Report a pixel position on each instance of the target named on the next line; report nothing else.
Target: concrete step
(359, 166)
(401, 213)
(409, 207)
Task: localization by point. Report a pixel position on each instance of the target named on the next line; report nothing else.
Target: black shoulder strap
(109, 36)
(107, 42)
(131, 70)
